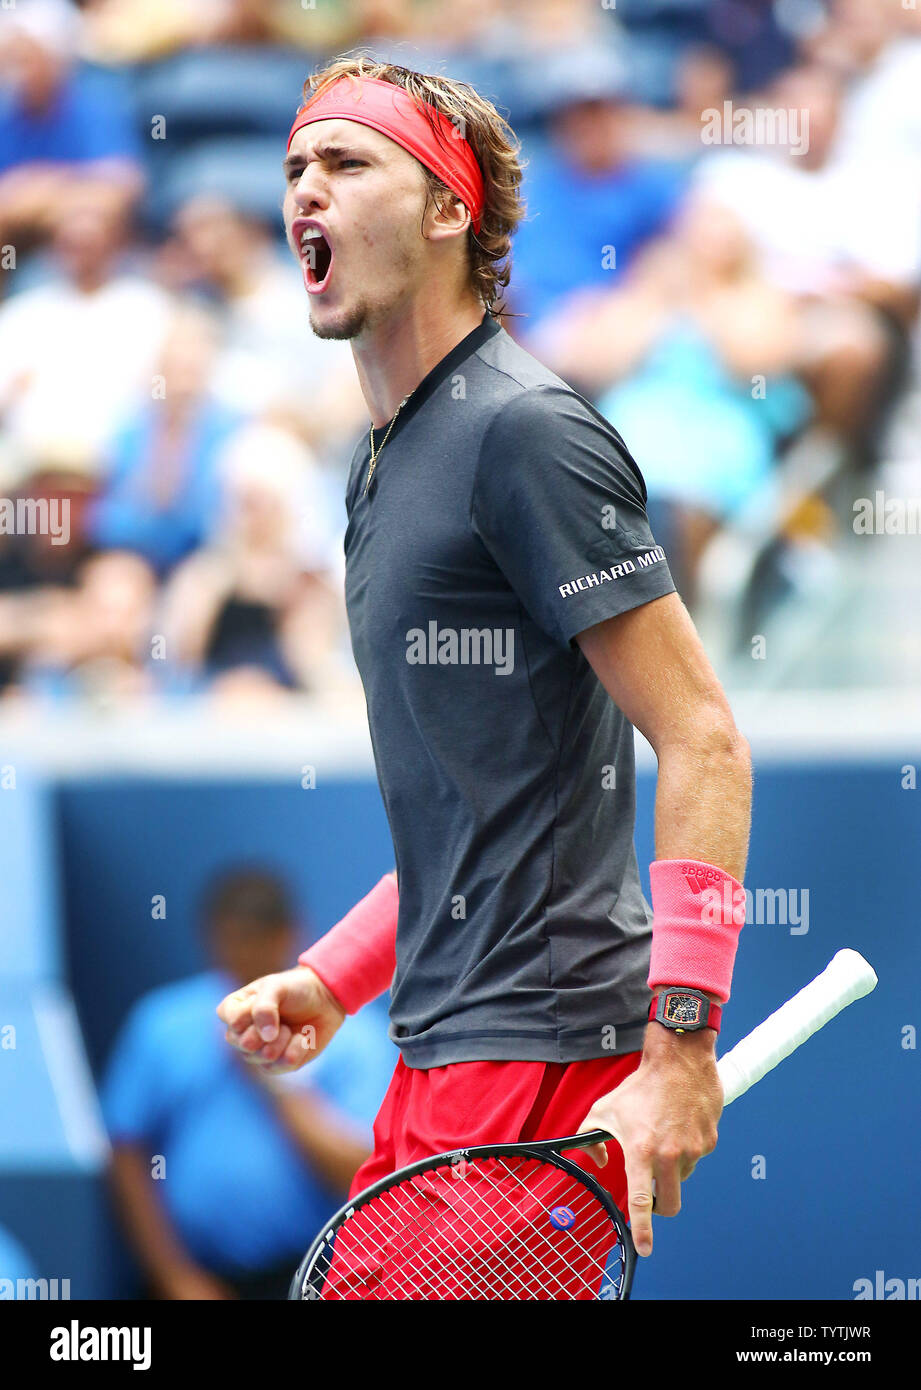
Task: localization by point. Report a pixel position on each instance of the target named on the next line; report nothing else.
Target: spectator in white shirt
(76, 352)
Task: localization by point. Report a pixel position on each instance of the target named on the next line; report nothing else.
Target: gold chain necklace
(375, 454)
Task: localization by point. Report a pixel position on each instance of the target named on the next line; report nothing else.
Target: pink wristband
(357, 957)
(698, 912)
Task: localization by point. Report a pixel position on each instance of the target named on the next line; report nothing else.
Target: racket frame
(543, 1150)
(846, 978)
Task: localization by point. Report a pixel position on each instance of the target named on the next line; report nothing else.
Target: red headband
(390, 109)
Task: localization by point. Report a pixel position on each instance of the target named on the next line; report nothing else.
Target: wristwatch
(684, 1010)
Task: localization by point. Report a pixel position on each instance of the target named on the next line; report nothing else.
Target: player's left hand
(664, 1116)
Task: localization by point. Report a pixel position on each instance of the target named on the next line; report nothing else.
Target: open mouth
(316, 258)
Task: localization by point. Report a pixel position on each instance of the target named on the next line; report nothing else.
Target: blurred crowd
(722, 251)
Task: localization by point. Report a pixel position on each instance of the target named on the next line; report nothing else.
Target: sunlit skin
(397, 286)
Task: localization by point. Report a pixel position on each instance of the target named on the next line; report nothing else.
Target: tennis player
(512, 619)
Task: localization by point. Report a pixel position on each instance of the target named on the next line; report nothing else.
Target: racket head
(495, 1222)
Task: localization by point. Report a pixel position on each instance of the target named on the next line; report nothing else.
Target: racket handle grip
(846, 977)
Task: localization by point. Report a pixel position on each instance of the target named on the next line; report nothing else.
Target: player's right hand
(281, 1021)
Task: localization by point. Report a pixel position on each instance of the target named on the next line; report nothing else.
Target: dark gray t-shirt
(504, 516)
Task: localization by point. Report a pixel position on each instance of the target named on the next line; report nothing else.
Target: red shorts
(443, 1109)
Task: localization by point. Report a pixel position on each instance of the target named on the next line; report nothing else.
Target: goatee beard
(341, 329)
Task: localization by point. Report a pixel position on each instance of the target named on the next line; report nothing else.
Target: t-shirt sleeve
(561, 507)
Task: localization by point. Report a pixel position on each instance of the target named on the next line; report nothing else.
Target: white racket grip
(846, 977)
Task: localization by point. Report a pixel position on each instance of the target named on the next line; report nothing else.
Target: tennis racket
(522, 1221)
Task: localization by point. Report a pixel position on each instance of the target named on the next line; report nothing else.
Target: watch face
(683, 1009)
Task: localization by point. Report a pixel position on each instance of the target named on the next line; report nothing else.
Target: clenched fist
(281, 1021)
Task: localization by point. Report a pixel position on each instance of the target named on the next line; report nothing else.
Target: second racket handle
(846, 977)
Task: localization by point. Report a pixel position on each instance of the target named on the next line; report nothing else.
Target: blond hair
(497, 150)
